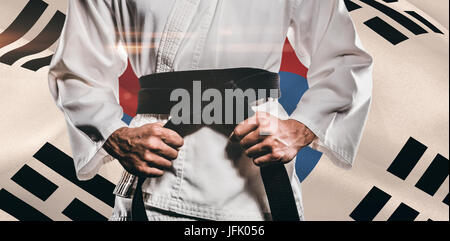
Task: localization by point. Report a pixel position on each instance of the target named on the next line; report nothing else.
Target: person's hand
(268, 139)
(144, 151)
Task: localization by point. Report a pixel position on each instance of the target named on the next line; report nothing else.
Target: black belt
(154, 98)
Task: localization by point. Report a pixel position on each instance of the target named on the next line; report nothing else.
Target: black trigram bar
(61, 163)
(19, 209)
(396, 16)
(371, 205)
(434, 176)
(23, 22)
(36, 64)
(44, 40)
(385, 30)
(407, 158)
(424, 21)
(351, 6)
(403, 213)
(79, 211)
(34, 182)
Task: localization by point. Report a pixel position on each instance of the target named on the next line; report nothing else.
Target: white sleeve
(337, 103)
(83, 81)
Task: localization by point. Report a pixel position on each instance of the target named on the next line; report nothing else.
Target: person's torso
(202, 34)
(211, 179)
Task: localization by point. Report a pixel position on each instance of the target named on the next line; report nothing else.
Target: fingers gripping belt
(156, 88)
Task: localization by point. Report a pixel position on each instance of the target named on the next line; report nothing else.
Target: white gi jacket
(177, 35)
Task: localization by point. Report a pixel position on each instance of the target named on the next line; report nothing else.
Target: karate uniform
(208, 181)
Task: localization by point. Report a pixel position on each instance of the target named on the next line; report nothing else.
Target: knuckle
(154, 144)
(148, 156)
(238, 133)
(149, 142)
(139, 169)
(181, 141)
(157, 130)
(270, 142)
(167, 164)
(243, 142)
(277, 155)
(256, 161)
(175, 155)
(156, 172)
(171, 155)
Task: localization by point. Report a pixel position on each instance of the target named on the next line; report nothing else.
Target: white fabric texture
(176, 35)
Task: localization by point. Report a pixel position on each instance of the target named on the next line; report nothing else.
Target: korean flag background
(401, 171)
